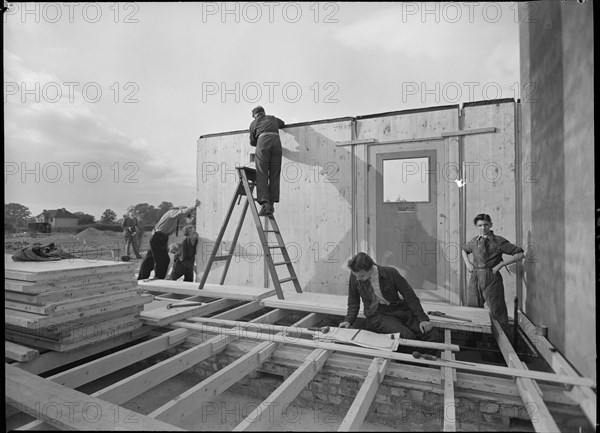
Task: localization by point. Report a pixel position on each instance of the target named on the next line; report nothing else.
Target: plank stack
(66, 304)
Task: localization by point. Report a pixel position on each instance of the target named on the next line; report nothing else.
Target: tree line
(18, 216)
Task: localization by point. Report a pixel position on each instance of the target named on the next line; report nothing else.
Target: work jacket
(394, 288)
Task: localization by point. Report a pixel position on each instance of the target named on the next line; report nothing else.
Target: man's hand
(425, 326)
(469, 267)
(496, 268)
(344, 325)
(197, 203)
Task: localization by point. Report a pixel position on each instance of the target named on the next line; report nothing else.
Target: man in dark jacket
(390, 303)
(264, 135)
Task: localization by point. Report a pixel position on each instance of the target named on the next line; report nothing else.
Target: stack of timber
(67, 304)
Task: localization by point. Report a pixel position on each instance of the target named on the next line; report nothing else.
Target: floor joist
(68, 409)
(208, 389)
(469, 366)
(530, 392)
(264, 346)
(360, 406)
(272, 407)
(586, 397)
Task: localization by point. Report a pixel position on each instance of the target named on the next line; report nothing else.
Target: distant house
(57, 218)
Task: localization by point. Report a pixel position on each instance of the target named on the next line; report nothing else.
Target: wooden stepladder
(245, 188)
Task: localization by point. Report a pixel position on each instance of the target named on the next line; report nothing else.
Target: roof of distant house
(58, 213)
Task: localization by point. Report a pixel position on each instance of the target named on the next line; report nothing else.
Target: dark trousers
(388, 320)
(179, 269)
(268, 168)
(485, 287)
(156, 258)
(131, 241)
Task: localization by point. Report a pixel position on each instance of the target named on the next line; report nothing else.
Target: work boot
(265, 209)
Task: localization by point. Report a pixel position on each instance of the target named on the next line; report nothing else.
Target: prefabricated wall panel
(410, 132)
(489, 172)
(314, 213)
(328, 210)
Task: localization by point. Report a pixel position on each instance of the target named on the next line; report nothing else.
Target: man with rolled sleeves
(264, 135)
(157, 257)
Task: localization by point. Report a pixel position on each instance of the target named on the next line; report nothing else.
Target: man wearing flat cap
(264, 135)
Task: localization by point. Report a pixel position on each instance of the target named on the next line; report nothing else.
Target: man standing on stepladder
(264, 135)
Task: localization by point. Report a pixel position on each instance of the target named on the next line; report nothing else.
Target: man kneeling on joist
(390, 303)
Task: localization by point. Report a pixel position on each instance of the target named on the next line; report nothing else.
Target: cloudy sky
(104, 102)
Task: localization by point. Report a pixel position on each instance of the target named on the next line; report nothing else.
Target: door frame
(448, 286)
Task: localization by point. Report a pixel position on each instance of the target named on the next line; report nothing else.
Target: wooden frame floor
(218, 317)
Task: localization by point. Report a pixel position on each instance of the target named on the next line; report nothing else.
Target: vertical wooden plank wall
(314, 213)
(490, 175)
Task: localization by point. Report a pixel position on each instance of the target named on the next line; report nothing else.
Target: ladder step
(287, 279)
(219, 258)
(277, 246)
(271, 231)
(281, 263)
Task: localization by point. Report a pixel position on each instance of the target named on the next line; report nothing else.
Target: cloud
(63, 149)
(430, 31)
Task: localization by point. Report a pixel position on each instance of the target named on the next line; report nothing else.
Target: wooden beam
(121, 391)
(530, 393)
(364, 398)
(469, 132)
(68, 409)
(420, 377)
(238, 312)
(164, 316)
(19, 353)
(449, 377)
(210, 388)
(133, 386)
(469, 366)
(37, 321)
(296, 330)
(76, 304)
(443, 135)
(218, 291)
(51, 360)
(272, 407)
(584, 396)
(90, 371)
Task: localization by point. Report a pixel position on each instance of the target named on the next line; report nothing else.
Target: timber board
(337, 305)
(32, 321)
(19, 353)
(70, 282)
(157, 313)
(81, 291)
(241, 293)
(60, 346)
(74, 304)
(58, 330)
(50, 360)
(61, 269)
(28, 393)
(91, 332)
